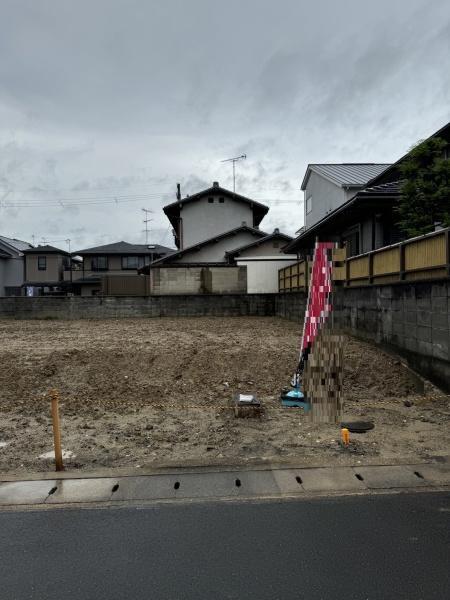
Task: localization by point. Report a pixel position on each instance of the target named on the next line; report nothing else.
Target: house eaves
(262, 240)
(216, 238)
(388, 192)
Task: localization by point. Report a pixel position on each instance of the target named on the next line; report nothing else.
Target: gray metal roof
(17, 244)
(126, 248)
(346, 174)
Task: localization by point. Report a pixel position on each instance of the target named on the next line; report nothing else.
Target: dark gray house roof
(275, 235)
(345, 174)
(46, 249)
(172, 210)
(126, 248)
(17, 245)
(216, 238)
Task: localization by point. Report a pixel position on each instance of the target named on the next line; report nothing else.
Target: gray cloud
(125, 98)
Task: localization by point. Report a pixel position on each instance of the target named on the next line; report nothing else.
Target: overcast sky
(106, 104)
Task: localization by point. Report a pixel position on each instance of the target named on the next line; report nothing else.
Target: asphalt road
(354, 548)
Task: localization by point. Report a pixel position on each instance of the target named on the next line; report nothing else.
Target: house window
(221, 200)
(99, 263)
(42, 263)
(308, 204)
(132, 262)
(210, 200)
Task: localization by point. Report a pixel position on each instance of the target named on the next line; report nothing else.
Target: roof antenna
(234, 161)
(146, 221)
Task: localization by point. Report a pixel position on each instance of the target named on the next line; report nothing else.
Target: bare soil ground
(143, 392)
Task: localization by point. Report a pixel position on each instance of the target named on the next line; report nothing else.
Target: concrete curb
(233, 483)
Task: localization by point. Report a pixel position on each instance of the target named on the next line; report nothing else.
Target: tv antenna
(234, 161)
(147, 221)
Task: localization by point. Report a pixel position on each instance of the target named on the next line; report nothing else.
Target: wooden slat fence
(423, 258)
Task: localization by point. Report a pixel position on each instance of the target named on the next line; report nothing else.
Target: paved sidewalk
(190, 484)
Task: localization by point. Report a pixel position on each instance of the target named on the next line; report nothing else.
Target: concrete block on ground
(433, 473)
(82, 490)
(25, 492)
(289, 481)
(379, 477)
(146, 488)
(323, 479)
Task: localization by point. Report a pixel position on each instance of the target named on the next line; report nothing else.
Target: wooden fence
(421, 258)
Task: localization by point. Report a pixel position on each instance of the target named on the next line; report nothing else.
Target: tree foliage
(425, 188)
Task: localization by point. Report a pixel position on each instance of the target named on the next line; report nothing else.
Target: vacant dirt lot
(141, 392)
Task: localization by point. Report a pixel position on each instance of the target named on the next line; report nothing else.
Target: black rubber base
(357, 426)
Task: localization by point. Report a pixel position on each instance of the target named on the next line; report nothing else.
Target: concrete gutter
(236, 483)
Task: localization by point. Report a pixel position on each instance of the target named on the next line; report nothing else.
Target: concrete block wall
(98, 307)
(198, 280)
(410, 318)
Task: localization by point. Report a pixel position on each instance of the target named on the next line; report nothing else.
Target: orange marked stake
(345, 436)
(54, 395)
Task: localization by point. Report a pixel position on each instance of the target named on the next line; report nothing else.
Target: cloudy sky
(106, 104)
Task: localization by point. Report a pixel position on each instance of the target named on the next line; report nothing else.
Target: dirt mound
(141, 390)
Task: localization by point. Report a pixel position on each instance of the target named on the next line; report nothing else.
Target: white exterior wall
(262, 272)
(202, 220)
(326, 196)
(215, 251)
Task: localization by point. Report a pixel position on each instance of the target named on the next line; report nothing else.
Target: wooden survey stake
(54, 395)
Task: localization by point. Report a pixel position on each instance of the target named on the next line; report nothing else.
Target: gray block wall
(412, 319)
(104, 307)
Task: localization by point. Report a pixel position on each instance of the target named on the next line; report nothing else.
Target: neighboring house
(262, 259)
(328, 186)
(211, 212)
(45, 267)
(213, 250)
(268, 245)
(12, 266)
(120, 258)
(367, 220)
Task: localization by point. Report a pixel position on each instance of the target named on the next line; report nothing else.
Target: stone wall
(411, 319)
